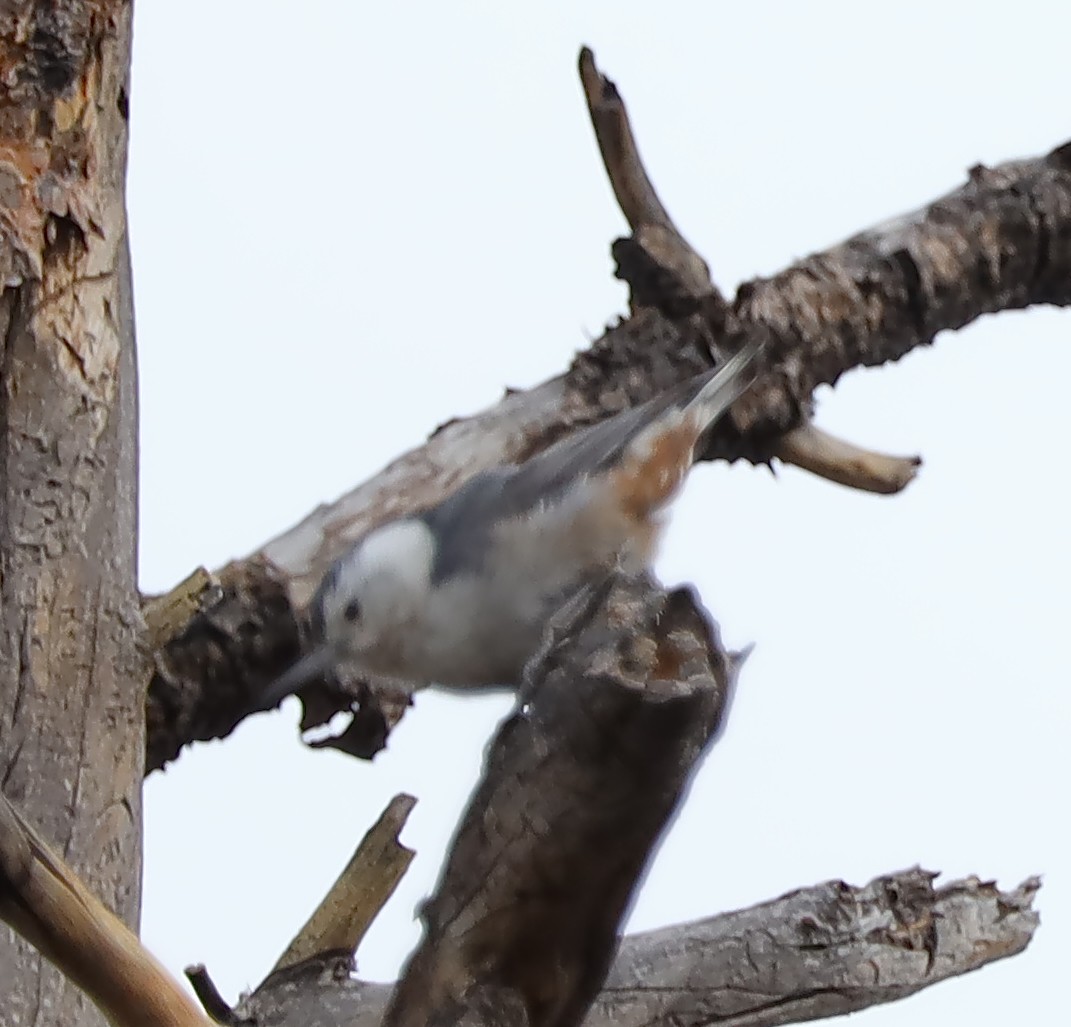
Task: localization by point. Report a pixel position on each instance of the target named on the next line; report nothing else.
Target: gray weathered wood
(72, 674)
(817, 952)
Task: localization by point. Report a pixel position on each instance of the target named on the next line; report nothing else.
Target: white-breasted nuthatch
(458, 595)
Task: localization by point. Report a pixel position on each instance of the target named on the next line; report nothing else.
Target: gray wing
(462, 523)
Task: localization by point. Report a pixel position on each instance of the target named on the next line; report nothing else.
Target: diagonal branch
(817, 952)
(633, 188)
(44, 901)
(1001, 241)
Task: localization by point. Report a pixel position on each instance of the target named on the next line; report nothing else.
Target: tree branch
(168, 615)
(215, 1005)
(820, 951)
(44, 901)
(635, 193)
(1002, 241)
(327, 941)
(578, 784)
(817, 952)
(343, 917)
(812, 449)
(629, 689)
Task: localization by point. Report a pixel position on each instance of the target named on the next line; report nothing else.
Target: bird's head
(366, 605)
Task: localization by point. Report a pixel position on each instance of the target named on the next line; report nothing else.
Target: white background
(352, 222)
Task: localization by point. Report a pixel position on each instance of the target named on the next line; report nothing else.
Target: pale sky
(353, 222)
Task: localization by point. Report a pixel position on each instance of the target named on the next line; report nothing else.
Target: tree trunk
(73, 671)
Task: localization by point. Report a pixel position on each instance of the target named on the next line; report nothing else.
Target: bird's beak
(310, 666)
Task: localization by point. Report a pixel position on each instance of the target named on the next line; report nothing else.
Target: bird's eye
(352, 610)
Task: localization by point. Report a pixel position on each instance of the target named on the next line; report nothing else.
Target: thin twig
(215, 1004)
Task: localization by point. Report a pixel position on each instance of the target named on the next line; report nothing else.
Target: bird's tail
(728, 384)
(656, 460)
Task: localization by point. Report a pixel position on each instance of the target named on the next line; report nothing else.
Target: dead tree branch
(578, 785)
(1001, 241)
(628, 691)
(362, 889)
(635, 193)
(43, 899)
(816, 953)
(813, 449)
(665, 272)
(820, 951)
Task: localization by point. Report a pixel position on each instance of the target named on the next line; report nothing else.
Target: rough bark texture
(71, 674)
(630, 689)
(816, 952)
(204, 684)
(1001, 241)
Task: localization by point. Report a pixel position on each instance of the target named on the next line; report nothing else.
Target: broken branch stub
(628, 691)
(360, 892)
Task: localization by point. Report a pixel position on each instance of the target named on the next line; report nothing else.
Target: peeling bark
(71, 673)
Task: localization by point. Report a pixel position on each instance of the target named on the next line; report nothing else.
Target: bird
(458, 595)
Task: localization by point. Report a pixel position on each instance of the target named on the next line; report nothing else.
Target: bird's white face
(372, 601)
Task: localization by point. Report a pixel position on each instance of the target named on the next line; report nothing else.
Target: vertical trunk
(71, 671)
